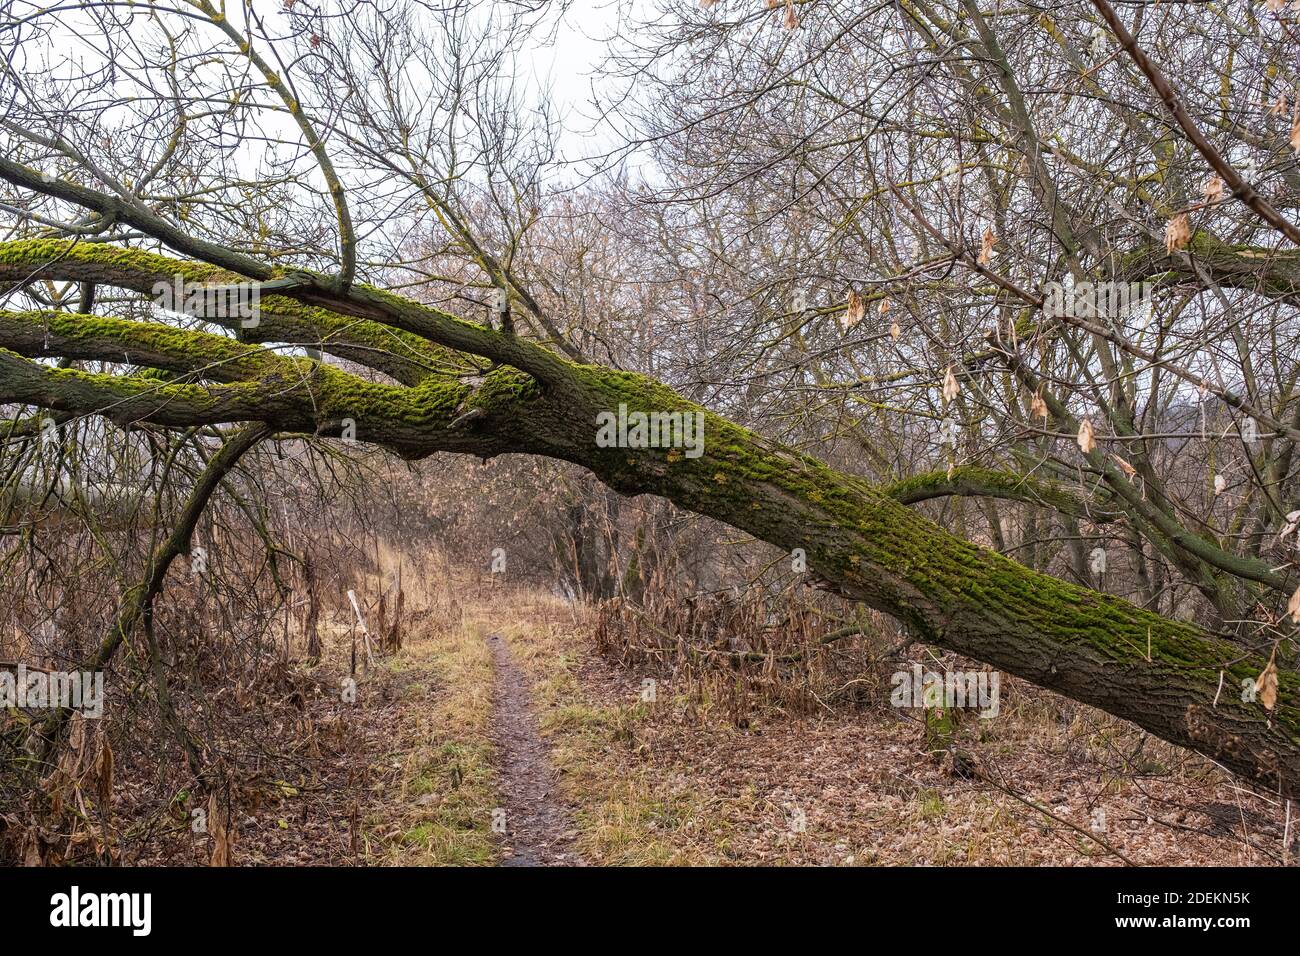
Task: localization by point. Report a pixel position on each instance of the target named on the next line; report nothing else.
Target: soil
(538, 823)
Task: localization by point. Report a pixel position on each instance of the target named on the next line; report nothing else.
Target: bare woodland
(833, 229)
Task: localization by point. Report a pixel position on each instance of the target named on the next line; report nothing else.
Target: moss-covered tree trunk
(1168, 677)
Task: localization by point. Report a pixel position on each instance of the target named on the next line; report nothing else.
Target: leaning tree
(372, 178)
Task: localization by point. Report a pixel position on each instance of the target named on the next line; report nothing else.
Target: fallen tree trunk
(1170, 678)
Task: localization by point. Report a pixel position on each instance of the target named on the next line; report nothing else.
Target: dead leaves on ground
(220, 830)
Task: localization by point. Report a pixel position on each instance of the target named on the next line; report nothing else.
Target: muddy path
(538, 824)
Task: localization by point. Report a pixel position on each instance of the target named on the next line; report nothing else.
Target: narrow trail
(539, 827)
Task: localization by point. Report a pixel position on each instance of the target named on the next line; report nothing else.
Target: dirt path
(539, 828)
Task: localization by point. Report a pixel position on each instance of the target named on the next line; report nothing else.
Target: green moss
(901, 562)
(184, 358)
(282, 318)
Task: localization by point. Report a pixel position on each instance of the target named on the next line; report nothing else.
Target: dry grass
(675, 781)
(439, 806)
(406, 774)
(403, 775)
(621, 817)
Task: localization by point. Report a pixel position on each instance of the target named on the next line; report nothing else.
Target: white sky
(565, 67)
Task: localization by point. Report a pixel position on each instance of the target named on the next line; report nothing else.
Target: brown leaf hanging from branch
(1266, 683)
(1038, 407)
(1129, 471)
(855, 310)
(950, 386)
(1178, 233)
(1213, 190)
(1086, 439)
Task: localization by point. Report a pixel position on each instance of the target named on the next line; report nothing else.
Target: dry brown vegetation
(713, 771)
(678, 781)
(840, 234)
